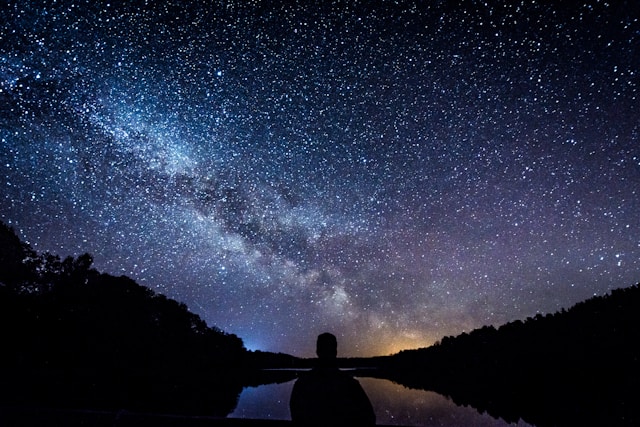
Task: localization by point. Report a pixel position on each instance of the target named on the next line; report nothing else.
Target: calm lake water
(392, 403)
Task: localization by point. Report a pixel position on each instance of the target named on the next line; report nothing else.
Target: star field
(393, 172)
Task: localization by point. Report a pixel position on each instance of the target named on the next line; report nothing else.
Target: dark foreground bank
(28, 417)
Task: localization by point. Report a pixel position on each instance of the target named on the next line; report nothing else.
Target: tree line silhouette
(74, 337)
(576, 367)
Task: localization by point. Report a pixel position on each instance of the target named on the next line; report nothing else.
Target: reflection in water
(392, 403)
(398, 405)
(270, 401)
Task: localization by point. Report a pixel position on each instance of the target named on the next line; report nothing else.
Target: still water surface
(392, 403)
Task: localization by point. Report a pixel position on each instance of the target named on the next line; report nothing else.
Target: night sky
(392, 172)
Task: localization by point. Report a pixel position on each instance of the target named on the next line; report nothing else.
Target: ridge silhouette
(75, 338)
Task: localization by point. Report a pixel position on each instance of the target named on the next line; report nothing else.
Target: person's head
(327, 346)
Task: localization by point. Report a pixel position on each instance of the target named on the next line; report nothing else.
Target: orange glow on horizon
(397, 344)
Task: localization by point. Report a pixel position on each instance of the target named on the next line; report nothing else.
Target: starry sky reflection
(391, 172)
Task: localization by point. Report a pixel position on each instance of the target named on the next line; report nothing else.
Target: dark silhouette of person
(327, 396)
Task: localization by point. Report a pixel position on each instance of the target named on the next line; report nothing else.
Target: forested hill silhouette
(74, 337)
(580, 366)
